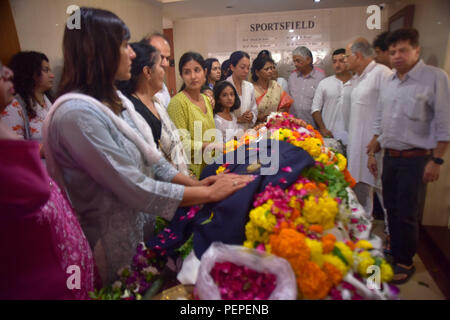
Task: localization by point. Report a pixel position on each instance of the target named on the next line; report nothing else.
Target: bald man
(366, 81)
(160, 42)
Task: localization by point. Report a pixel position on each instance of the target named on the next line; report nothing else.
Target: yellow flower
(294, 203)
(364, 244)
(302, 221)
(316, 251)
(321, 211)
(220, 169)
(342, 161)
(262, 217)
(365, 260)
(386, 272)
(312, 146)
(255, 234)
(249, 244)
(346, 252)
(338, 263)
(323, 157)
(268, 248)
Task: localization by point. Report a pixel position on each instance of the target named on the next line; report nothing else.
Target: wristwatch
(438, 161)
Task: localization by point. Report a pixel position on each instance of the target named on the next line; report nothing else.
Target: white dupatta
(146, 146)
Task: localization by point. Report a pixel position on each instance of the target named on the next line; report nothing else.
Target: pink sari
(43, 251)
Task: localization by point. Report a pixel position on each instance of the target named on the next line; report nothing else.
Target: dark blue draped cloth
(231, 215)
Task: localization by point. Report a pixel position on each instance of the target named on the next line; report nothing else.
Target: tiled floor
(421, 286)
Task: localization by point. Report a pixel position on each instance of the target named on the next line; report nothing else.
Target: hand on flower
(262, 117)
(431, 172)
(373, 146)
(372, 165)
(326, 133)
(227, 184)
(299, 122)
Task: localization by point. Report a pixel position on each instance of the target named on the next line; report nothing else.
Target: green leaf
(154, 289)
(160, 224)
(186, 248)
(209, 219)
(339, 254)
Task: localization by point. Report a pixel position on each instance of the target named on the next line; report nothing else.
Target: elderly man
(381, 49)
(302, 84)
(162, 44)
(331, 104)
(413, 127)
(364, 99)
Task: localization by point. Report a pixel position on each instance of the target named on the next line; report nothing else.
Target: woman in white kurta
(103, 154)
(240, 66)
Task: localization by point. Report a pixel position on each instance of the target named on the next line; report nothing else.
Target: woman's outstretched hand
(227, 184)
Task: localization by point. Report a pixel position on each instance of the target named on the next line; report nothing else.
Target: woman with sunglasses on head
(103, 152)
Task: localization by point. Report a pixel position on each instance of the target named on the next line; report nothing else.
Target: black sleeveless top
(152, 120)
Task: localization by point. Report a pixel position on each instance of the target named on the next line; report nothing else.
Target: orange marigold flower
(313, 282)
(295, 214)
(348, 177)
(333, 273)
(316, 228)
(328, 243)
(351, 245)
(289, 243)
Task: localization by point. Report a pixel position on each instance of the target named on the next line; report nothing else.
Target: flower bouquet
(236, 273)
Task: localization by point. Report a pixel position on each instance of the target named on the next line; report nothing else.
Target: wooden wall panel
(9, 42)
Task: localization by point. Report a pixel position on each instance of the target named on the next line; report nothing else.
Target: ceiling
(210, 8)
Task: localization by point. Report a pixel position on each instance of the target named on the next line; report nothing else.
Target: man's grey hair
(364, 48)
(303, 52)
(149, 37)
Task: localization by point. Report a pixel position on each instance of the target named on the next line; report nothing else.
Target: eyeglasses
(347, 55)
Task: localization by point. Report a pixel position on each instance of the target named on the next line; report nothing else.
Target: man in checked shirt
(413, 126)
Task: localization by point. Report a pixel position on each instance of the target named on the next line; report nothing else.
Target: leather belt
(411, 153)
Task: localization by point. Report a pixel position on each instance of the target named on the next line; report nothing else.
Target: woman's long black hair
(146, 56)
(92, 56)
(27, 66)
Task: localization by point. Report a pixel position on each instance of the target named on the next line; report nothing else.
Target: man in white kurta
(331, 104)
(364, 100)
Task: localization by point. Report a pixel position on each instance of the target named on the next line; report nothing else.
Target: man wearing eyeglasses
(412, 125)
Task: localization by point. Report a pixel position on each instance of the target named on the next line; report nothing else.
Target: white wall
(219, 34)
(40, 23)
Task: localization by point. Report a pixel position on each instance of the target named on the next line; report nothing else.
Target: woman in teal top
(192, 113)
